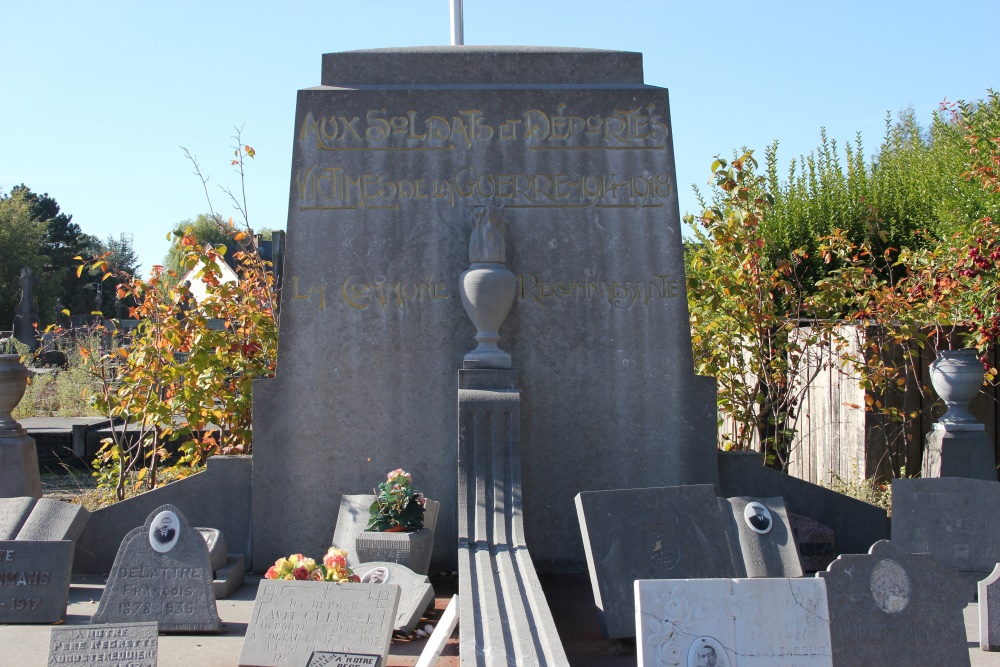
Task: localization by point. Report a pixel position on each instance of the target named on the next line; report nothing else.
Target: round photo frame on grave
(707, 652)
(758, 518)
(376, 575)
(164, 531)
(890, 586)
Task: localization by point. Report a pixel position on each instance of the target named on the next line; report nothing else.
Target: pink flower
(300, 573)
(316, 575)
(334, 560)
(272, 573)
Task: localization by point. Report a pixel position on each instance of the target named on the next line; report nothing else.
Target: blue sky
(99, 96)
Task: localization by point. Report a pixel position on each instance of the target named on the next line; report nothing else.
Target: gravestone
(957, 520)
(816, 542)
(893, 608)
(161, 574)
(216, 542)
(353, 516)
(415, 590)
(766, 539)
(52, 519)
(13, 513)
(118, 645)
(681, 532)
(733, 623)
(26, 313)
(292, 619)
(388, 155)
(989, 611)
(34, 581)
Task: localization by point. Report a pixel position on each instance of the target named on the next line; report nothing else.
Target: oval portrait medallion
(164, 532)
(758, 518)
(376, 575)
(890, 586)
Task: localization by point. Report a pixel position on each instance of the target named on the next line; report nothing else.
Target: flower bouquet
(297, 566)
(397, 506)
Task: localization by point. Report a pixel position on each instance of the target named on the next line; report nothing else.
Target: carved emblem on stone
(890, 587)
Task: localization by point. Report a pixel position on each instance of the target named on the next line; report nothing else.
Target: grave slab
(13, 513)
(989, 611)
(415, 594)
(54, 520)
(889, 607)
(767, 543)
(371, 314)
(681, 532)
(162, 574)
(292, 619)
(957, 520)
(230, 576)
(732, 623)
(112, 645)
(34, 581)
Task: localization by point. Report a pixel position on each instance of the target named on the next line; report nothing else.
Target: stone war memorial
(392, 154)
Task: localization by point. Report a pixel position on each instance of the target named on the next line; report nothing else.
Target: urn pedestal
(18, 455)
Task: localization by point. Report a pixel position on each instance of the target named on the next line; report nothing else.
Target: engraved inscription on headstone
(331, 659)
(676, 532)
(162, 573)
(13, 513)
(54, 520)
(893, 608)
(34, 580)
(116, 645)
(292, 619)
(954, 519)
(732, 622)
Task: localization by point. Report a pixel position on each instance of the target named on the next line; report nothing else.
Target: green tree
(205, 229)
(21, 237)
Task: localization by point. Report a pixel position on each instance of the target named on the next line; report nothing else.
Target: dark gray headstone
(893, 608)
(292, 619)
(816, 542)
(951, 518)
(115, 645)
(383, 178)
(415, 595)
(13, 513)
(679, 532)
(738, 622)
(162, 574)
(26, 312)
(989, 611)
(34, 581)
(54, 520)
(766, 539)
(216, 541)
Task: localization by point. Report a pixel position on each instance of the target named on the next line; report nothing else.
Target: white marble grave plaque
(732, 623)
(293, 619)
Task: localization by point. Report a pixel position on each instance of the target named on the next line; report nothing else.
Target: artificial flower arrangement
(297, 566)
(397, 506)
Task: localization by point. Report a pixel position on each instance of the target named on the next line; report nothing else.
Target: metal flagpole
(457, 24)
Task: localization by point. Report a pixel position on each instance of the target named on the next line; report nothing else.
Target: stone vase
(487, 292)
(411, 549)
(13, 382)
(957, 376)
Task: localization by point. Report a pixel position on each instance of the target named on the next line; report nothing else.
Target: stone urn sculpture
(13, 382)
(487, 288)
(957, 376)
